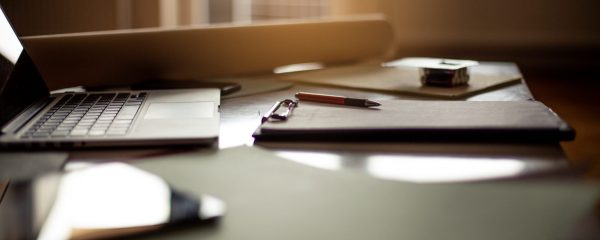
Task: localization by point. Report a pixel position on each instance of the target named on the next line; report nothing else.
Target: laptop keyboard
(93, 115)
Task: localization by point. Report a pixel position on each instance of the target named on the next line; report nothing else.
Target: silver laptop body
(30, 117)
(142, 118)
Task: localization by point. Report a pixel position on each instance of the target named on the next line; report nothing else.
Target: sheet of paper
(272, 198)
(409, 114)
(402, 79)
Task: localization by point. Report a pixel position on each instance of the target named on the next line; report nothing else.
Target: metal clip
(272, 113)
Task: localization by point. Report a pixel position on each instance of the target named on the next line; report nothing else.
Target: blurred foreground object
(103, 201)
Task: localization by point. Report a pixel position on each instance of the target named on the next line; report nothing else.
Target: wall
(531, 30)
(38, 17)
(34, 17)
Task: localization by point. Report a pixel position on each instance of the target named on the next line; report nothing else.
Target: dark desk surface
(241, 116)
(459, 161)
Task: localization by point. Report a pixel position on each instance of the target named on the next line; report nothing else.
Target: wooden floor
(576, 98)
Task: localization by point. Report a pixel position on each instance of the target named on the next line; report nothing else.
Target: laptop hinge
(23, 118)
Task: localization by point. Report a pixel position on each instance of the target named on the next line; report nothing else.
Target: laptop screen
(20, 83)
(10, 48)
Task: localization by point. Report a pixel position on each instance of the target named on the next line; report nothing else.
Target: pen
(315, 97)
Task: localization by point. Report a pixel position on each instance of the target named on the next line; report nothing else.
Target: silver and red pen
(332, 99)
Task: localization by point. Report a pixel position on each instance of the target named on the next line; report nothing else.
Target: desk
(241, 116)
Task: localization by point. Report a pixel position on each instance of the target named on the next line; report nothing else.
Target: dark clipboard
(407, 120)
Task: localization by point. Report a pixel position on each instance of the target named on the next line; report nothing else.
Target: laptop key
(38, 135)
(60, 133)
(88, 115)
(97, 132)
(81, 127)
(78, 132)
(128, 112)
(102, 121)
(122, 121)
(116, 132)
(69, 122)
(74, 118)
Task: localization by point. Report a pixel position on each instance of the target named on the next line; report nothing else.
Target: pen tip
(370, 103)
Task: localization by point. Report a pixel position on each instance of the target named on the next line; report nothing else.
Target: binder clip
(289, 106)
(445, 72)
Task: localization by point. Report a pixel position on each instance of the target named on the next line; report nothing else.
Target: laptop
(31, 117)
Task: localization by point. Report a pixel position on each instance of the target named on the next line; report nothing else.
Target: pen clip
(272, 113)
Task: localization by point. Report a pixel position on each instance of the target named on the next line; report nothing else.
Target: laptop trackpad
(179, 110)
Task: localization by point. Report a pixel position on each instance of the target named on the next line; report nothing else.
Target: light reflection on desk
(231, 132)
(327, 161)
(441, 169)
(128, 198)
(415, 168)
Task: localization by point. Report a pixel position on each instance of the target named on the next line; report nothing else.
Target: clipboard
(409, 120)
